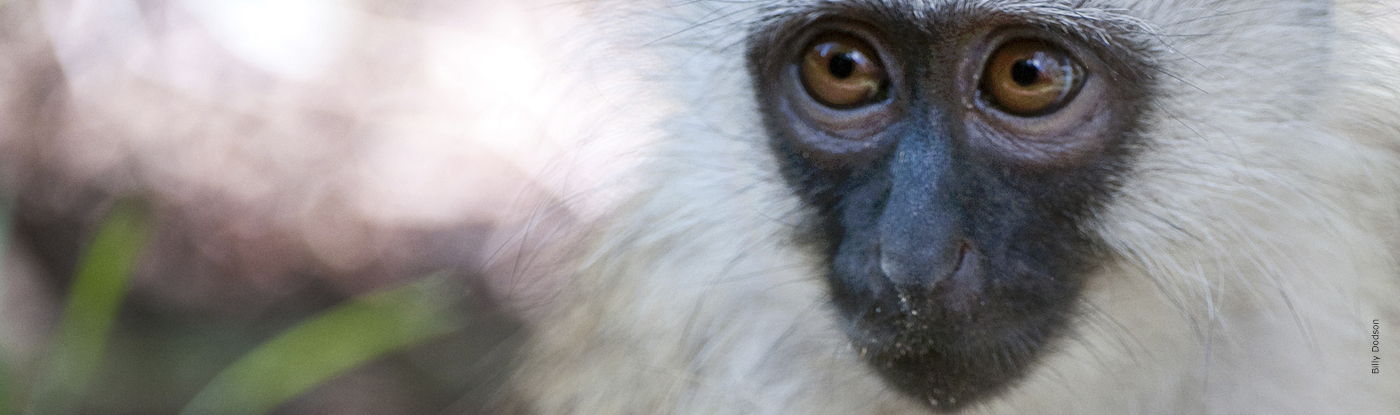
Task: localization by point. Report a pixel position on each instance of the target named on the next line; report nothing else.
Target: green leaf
(6, 386)
(329, 344)
(93, 302)
(7, 403)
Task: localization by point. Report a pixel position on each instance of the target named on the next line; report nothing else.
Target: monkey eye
(838, 91)
(1029, 78)
(841, 71)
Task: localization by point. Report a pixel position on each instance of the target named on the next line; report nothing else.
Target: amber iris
(842, 71)
(1029, 78)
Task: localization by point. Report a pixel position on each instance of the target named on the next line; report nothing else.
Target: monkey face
(952, 175)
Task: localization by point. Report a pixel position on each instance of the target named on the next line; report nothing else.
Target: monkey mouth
(963, 338)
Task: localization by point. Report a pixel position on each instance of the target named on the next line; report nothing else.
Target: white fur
(1254, 238)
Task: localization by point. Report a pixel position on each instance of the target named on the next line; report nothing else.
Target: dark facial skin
(951, 219)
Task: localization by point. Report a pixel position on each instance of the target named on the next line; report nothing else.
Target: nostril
(963, 290)
(956, 263)
(962, 254)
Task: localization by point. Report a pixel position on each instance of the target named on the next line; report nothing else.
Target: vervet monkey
(855, 207)
(1059, 207)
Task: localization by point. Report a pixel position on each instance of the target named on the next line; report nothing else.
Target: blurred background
(365, 199)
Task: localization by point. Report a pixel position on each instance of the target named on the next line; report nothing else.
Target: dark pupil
(1024, 72)
(841, 65)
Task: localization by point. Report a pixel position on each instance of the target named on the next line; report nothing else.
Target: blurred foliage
(111, 354)
(7, 384)
(93, 300)
(329, 344)
(6, 388)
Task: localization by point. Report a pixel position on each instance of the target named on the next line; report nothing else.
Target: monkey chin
(962, 339)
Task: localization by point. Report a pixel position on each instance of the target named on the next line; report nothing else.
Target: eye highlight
(841, 71)
(1029, 78)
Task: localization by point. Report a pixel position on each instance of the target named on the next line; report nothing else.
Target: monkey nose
(921, 267)
(954, 283)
